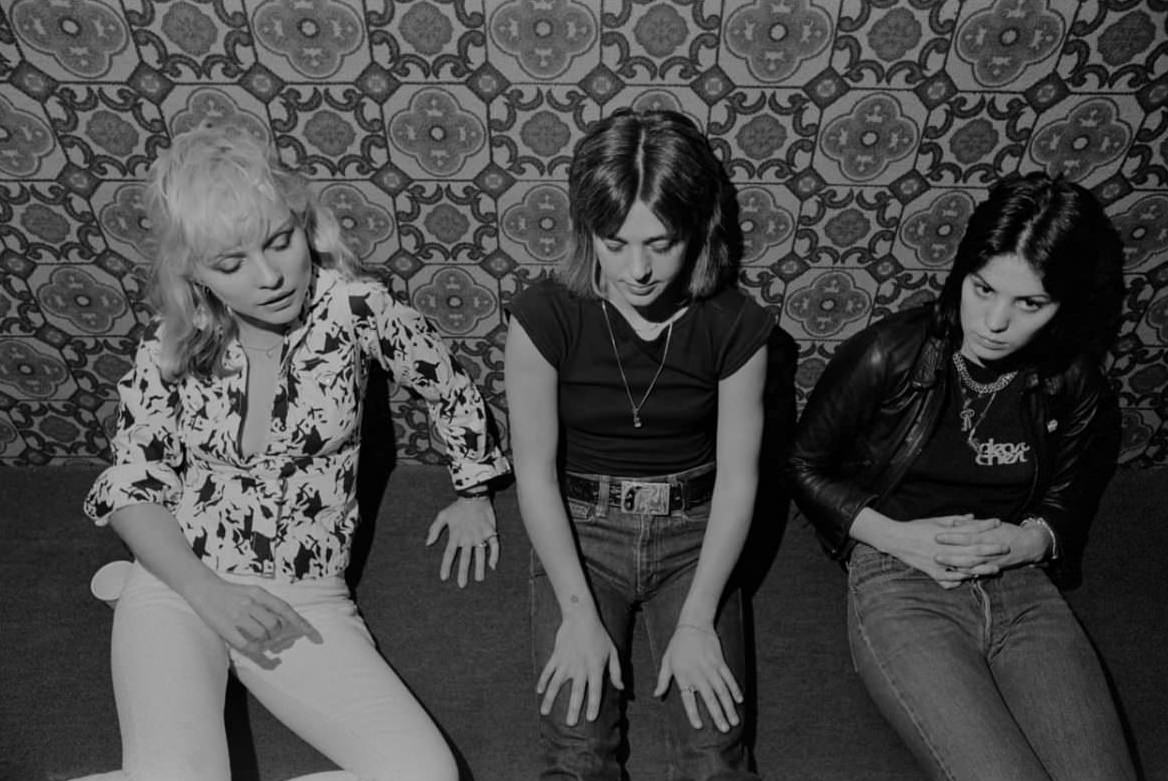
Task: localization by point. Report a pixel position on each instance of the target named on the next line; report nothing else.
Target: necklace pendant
(636, 420)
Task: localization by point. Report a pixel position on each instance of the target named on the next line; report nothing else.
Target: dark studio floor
(466, 653)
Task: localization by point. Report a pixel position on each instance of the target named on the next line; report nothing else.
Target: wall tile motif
(860, 135)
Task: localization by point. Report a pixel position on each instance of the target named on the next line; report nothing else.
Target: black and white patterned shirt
(291, 510)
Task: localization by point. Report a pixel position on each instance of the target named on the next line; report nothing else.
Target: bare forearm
(548, 528)
(875, 529)
(153, 536)
(730, 516)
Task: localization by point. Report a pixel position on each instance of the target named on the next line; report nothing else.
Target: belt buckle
(644, 498)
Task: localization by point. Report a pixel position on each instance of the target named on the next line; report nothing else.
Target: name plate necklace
(970, 419)
(634, 406)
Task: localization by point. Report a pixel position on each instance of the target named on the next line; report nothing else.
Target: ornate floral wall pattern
(860, 135)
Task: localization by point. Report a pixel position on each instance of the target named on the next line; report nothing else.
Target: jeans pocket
(868, 567)
(580, 511)
(698, 515)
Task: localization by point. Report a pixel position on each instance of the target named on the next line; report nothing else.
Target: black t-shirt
(710, 341)
(950, 476)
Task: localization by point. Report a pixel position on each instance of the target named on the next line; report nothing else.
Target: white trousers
(170, 678)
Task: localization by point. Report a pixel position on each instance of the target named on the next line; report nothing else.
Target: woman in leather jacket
(951, 456)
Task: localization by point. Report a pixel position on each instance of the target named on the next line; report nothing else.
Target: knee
(709, 753)
(586, 750)
(423, 761)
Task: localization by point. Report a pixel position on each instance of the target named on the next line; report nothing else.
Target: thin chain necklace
(636, 408)
(267, 352)
(970, 419)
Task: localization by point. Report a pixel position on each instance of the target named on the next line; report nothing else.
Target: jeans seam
(640, 559)
(987, 629)
(916, 721)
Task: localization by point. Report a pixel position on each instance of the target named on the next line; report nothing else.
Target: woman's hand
(694, 660)
(931, 546)
(582, 654)
(1021, 546)
(250, 619)
(471, 523)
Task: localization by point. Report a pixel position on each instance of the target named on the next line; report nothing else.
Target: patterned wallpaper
(860, 134)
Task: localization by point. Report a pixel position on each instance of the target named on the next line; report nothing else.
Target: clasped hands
(954, 548)
(584, 653)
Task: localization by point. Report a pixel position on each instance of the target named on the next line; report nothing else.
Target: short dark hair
(664, 160)
(1061, 230)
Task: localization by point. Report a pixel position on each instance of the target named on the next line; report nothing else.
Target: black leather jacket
(878, 402)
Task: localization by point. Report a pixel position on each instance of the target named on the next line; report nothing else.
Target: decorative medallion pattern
(860, 137)
(1002, 41)
(775, 38)
(313, 35)
(81, 35)
(544, 36)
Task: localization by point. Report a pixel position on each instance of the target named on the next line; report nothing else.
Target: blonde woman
(234, 477)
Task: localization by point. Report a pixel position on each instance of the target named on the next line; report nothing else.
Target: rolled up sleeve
(146, 449)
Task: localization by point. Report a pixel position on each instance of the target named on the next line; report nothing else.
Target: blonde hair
(207, 193)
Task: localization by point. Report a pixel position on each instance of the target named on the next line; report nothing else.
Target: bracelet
(479, 491)
(1034, 520)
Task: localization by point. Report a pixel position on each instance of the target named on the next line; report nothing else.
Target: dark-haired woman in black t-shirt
(629, 379)
(948, 450)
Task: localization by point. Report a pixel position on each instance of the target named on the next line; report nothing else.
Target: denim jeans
(637, 563)
(993, 680)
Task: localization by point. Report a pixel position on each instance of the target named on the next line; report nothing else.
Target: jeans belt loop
(602, 490)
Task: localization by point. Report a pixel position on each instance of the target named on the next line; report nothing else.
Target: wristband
(1041, 523)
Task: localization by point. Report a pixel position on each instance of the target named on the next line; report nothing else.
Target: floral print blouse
(290, 511)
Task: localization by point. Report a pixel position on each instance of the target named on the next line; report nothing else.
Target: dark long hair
(662, 159)
(1061, 230)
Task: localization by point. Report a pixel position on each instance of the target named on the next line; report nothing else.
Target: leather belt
(648, 496)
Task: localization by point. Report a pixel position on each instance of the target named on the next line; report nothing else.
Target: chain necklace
(981, 388)
(970, 419)
(636, 408)
(267, 352)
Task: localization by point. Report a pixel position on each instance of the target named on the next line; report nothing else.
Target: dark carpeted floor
(466, 653)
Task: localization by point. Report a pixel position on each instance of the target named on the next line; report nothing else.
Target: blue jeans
(993, 680)
(637, 562)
